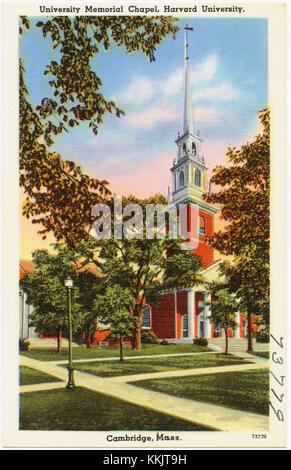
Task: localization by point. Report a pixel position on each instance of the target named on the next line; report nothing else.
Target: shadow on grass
(83, 410)
(245, 390)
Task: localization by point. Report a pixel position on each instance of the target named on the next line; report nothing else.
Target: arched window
(193, 148)
(181, 179)
(146, 317)
(197, 177)
(184, 150)
(201, 225)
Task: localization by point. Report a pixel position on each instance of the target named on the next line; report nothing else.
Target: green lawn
(83, 410)
(246, 390)
(264, 354)
(28, 376)
(156, 364)
(81, 352)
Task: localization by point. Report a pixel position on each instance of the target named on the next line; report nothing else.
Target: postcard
(144, 225)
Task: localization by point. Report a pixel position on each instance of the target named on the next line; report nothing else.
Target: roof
(211, 264)
(26, 267)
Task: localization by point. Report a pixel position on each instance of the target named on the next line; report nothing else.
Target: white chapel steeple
(189, 173)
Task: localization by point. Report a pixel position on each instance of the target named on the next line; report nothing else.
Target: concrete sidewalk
(217, 417)
(40, 387)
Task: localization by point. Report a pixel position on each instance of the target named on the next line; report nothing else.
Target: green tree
(114, 308)
(223, 309)
(59, 195)
(90, 287)
(244, 195)
(247, 278)
(146, 267)
(244, 198)
(47, 293)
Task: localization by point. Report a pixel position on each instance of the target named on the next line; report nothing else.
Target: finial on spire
(186, 41)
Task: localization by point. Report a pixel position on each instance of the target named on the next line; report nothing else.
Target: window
(193, 148)
(201, 225)
(184, 150)
(181, 179)
(197, 177)
(146, 317)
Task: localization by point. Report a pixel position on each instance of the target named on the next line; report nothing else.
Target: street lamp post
(70, 385)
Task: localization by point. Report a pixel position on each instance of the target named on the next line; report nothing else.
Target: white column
(207, 313)
(21, 313)
(191, 312)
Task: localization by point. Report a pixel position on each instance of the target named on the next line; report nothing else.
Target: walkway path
(236, 344)
(218, 417)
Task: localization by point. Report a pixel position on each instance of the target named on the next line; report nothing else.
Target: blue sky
(229, 84)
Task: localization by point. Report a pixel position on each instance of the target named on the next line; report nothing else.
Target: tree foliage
(90, 288)
(223, 308)
(245, 195)
(146, 267)
(114, 309)
(59, 196)
(244, 198)
(46, 291)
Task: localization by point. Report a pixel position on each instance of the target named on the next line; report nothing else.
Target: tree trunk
(226, 341)
(136, 343)
(250, 343)
(59, 341)
(87, 340)
(120, 348)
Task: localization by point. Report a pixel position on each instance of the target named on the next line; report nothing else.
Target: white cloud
(206, 70)
(223, 92)
(141, 89)
(151, 116)
(206, 115)
(173, 83)
(211, 115)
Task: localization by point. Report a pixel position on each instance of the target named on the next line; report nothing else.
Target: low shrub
(200, 341)
(23, 344)
(262, 336)
(149, 338)
(164, 342)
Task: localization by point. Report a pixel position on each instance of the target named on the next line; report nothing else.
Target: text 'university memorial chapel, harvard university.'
(183, 314)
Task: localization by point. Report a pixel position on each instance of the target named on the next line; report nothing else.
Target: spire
(188, 119)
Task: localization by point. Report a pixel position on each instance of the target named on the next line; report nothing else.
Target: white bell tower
(189, 173)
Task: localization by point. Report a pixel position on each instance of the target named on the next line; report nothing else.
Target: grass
(28, 376)
(156, 364)
(264, 354)
(246, 390)
(81, 352)
(83, 410)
